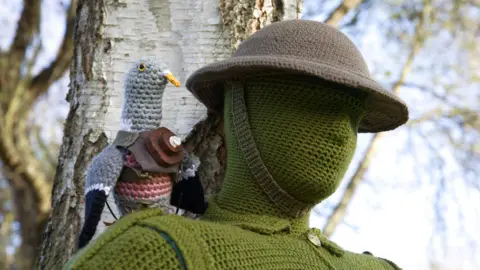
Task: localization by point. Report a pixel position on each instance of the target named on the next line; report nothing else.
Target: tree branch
(337, 15)
(340, 210)
(35, 172)
(62, 62)
(16, 155)
(28, 26)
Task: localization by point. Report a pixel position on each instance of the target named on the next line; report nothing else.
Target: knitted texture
(306, 158)
(93, 214)
(104, 170)
(149, 240)
(143, 192)
(102, 175)
(242, 132)
(123, 246)
(150, 189)
(242, 227)
(129, 205)
(302, 47)
(142, 110)
(142, 107)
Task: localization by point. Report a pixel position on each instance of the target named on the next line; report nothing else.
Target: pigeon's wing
(104, 170)
(102, 175)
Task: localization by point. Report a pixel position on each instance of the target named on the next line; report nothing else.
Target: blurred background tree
(28, 152)
(409, 196)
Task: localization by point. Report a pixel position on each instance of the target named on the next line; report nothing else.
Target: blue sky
(393, 214)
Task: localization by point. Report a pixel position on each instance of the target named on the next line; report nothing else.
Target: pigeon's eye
(141, 67)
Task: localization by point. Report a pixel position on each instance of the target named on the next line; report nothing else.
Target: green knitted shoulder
(128, 244)
(212, 245)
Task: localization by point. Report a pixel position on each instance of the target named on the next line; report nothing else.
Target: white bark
(183, 34)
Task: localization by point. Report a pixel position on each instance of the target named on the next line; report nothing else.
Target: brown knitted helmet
(308, 48)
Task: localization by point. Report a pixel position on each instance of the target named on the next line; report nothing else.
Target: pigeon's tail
(94, 204)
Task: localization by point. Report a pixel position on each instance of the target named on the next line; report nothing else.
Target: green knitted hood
(289, 142)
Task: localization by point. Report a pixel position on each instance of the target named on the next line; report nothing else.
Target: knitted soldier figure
(294, 96)
(142, 164)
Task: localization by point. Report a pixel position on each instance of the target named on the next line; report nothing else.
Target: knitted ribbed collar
(267, 225)
(263, 224)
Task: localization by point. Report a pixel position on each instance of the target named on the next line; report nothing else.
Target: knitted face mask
(306, 133)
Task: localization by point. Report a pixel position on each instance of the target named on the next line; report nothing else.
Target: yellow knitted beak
(172, 79)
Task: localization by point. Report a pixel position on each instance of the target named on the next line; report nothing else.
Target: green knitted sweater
(150, 240)
(306, 135)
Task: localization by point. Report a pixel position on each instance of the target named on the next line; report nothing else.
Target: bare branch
(62, 62)
(36, 174)
(16, 154)
(337, 15)
(31, 63)
(340, 210)
(28, 26)
(15, 149)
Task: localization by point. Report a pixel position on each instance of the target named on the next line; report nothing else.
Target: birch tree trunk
(110, 34)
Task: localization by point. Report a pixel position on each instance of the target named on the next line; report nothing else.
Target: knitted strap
(244, 136)
(171, 242)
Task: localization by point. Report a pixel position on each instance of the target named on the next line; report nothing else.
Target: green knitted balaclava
(305, 132)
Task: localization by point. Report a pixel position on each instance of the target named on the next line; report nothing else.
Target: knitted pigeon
(144, 163)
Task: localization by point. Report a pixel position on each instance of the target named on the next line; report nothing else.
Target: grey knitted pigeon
(142, 165)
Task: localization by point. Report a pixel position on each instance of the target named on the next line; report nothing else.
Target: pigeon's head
(148, 74)
(145, 84)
